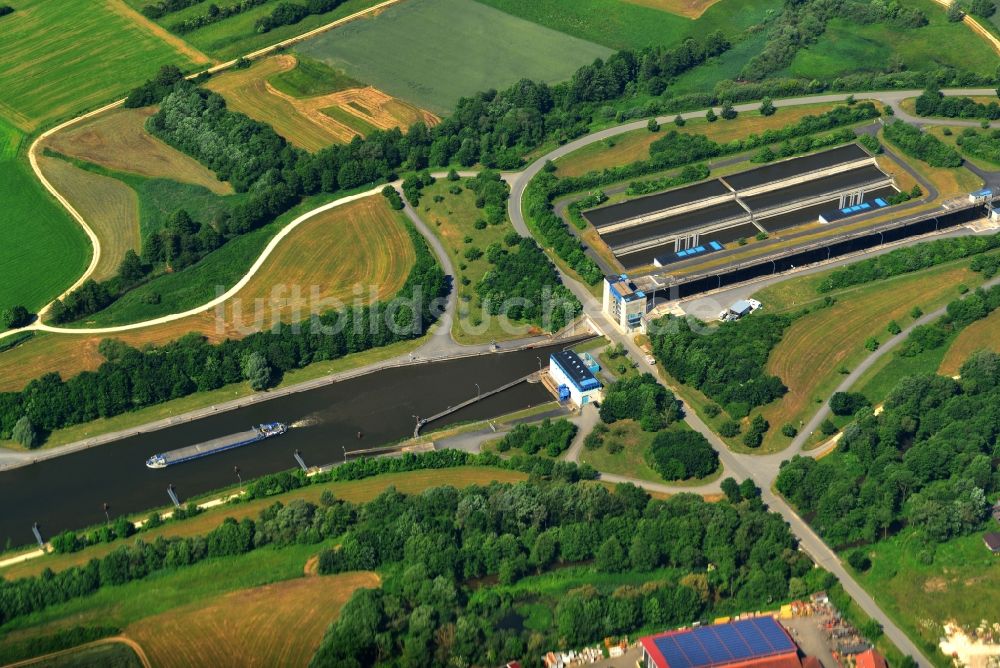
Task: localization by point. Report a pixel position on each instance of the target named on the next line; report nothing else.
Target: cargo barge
(181, 455)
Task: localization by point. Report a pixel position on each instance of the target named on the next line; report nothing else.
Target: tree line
(289, 13)
(214, 15)
(908, 259)
(922, 146)
(553, 437)
(442, 551)
(131, 378)
(932, 102)
(924, 462)
(278, 525)
(157, 10)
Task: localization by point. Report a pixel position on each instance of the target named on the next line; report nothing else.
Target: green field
(311, 77)
(107, 655)
(619, 24)
(432, 52)
(236, 36)
(960, 584)
(356, 123)
(847, 47)
(57, 58)
(44, 250)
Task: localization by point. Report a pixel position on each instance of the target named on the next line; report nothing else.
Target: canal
(70, 491)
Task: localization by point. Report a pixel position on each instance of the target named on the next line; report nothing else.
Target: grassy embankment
(453, 220)
(816, 348)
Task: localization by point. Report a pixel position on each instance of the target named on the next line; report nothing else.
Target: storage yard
(708, 217)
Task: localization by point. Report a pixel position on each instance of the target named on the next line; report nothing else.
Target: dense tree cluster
(926, 460)
(523, 285)
(161, 8)
(132, 378)
(725, 363)
(922, 146)
(933, 102)
(214, 14)
(553, 437)
(640, 398)
(436, 547)
(985, 145)
(680, 454)
(909, 259)
(14, 317)
(156, 88)
(5, 10)
(983, 8)
(960, 313)
(392, 196)
(848, 403)
(288, 13)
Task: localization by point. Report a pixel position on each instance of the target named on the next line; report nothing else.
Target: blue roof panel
(724, 643)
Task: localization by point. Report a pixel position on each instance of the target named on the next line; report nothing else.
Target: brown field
(355, 491)
(980, 335)
(361, 243)
(196, 56)
(279, 624)
(118, 140)
(301, 120)
(817, 345)
(634, 145)
(692, 9)
(109, 206)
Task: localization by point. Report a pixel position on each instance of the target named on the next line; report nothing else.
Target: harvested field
(359, 244)
(302, 121)
(692, 9)
(279, 624)
(118, 140)
(110, 208)
(311, 77)
(58, 58)
(981, 335)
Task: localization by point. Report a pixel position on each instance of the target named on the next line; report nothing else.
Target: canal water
(69, 491)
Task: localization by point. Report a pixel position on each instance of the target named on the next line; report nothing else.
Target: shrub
(894, 328)
(848, 403)
(652, 125)
(681, 455)
(679, 121)
(871, 344)
(710, 116)
(712, 410)
(859, 560)
(767, 107)
(729, 428)
(827, 428)
(25, 433)
(789, 430)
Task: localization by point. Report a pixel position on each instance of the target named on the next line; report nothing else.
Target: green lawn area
(236, 36)
(432, 52)
(44, 250)
(311, 77)
(631, 459)
(960, 585)
(453, 221)
(61, 57)
(847, 47)
(619, 24)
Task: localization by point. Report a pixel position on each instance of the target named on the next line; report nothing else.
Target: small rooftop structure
(992, 541)
(760, 642)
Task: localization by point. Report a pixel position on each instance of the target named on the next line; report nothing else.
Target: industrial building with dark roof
(760, 642)
(704, 217)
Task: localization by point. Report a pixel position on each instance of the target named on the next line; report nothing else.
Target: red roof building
(869, 659)
(760, 642)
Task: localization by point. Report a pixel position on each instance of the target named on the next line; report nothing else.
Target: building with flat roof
(574, 381)
(760, 642)
(624, 302)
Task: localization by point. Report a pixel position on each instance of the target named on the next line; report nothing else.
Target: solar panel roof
(722, 644)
